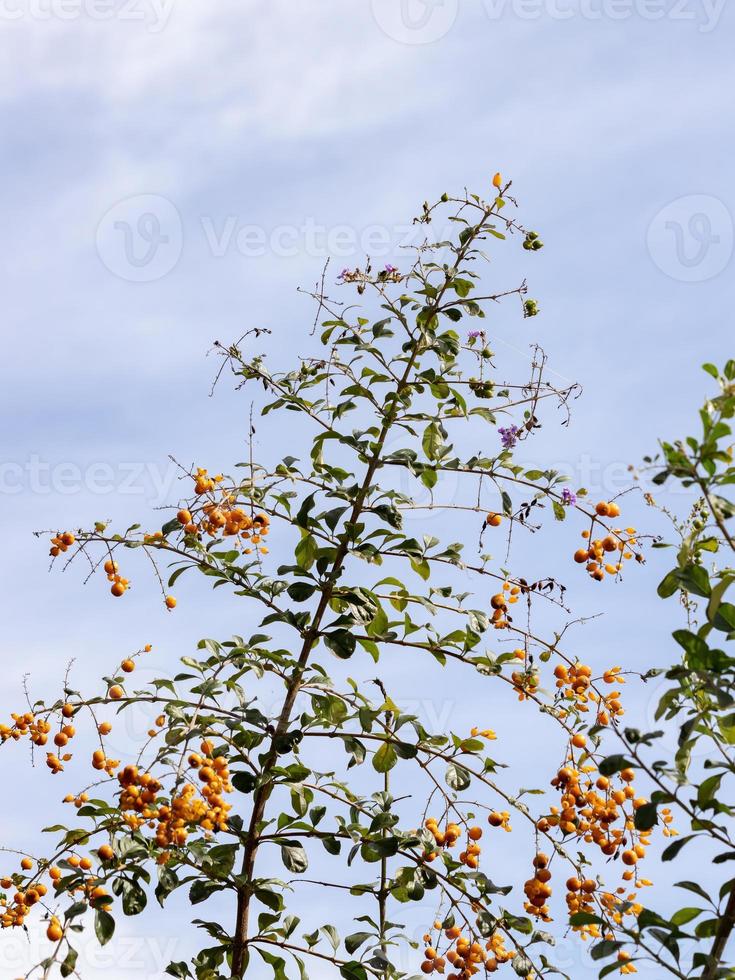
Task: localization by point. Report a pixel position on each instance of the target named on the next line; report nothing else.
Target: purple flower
(391, 268)
(343, 274)
(568, 498)
(474, 334)
(509, 436)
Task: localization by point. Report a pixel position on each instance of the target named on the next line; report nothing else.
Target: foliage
(698, 700)
(234, 799)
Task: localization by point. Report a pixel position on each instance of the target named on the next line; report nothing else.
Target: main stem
(262, 794)
(383, 892)
(722, 936)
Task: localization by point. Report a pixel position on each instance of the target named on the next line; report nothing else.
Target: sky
(174, 171)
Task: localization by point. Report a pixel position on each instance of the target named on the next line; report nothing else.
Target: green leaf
(727, 728)
(104, 926)
(202, 889)
(70, 962)
(602, 950)
(724, 618)
(385, 758)
(356, 940)
(294, 857)
(134, 899)
(421, 567)
(683, 916)
(585, 919)
(433, 439)
(673, 849)
(669, 584)
(353, 971)
(277, 963)
(707, 790)
(521, 964)
(301, 591)
(342, 643)
(306, 551)
(456, 777)
(646, 816)
(695, 579)
(244, 782)
(179, 970)
(613, 764)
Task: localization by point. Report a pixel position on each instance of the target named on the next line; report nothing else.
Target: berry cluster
(605, 555)
(449, 837)
(500, 602)
(37, 729)
(599, 810)
(29, 890)
(15, 908)
(61, 542)
(538, 888)
(578, 692)
(466, 956)
(222, 517)
(206, 809)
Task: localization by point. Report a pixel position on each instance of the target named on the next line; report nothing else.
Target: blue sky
(247, 141)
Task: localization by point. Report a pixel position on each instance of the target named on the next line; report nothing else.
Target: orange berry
(170, 602)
